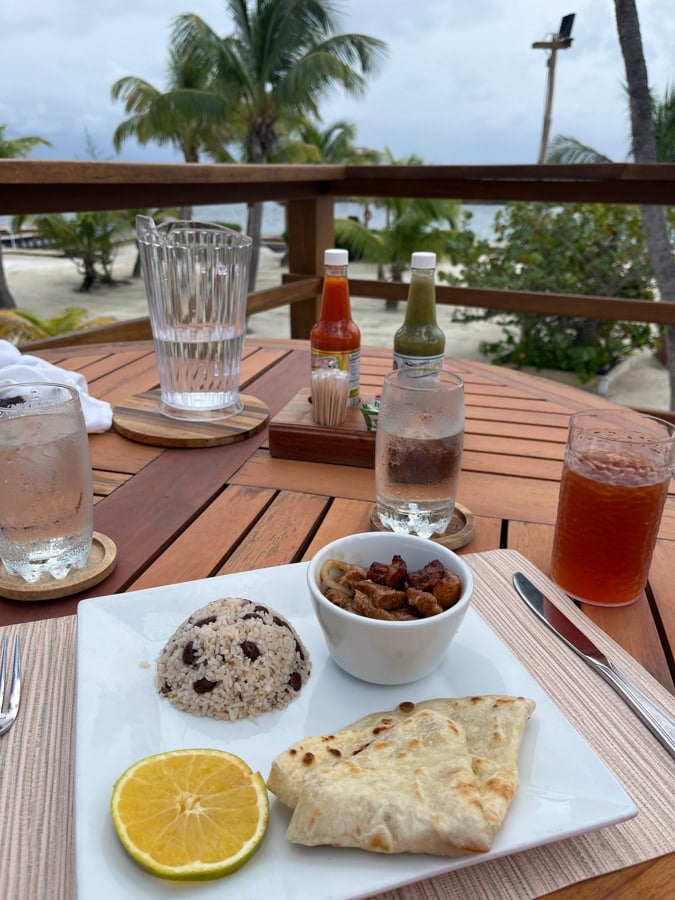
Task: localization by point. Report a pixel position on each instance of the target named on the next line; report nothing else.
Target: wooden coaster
(458, 533)
(101, 562)
(139, 418)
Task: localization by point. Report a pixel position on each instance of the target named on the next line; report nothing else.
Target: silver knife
(656, 719)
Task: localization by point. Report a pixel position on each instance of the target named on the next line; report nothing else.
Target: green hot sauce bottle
(420, 341)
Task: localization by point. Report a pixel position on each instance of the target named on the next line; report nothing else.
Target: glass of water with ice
(196, 282)
(46, 492)
(418, 449)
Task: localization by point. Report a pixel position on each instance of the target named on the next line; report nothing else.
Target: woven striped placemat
(36, 757)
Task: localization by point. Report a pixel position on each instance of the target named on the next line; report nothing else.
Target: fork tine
(3, 671)
(15, 688)
(8, 716)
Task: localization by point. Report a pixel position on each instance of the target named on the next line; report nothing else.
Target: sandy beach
(43, 283)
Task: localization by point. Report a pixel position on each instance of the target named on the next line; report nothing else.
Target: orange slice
(190, 814)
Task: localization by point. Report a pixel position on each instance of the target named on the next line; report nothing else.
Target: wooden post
(549, 103)
(560, 41)
(311, 230)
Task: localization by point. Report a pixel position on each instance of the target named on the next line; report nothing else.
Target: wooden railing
(309, 192)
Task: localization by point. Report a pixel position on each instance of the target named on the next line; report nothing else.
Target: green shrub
(575, 248)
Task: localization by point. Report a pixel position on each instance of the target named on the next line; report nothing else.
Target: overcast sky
(461, 85)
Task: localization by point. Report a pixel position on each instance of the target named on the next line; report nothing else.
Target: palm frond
(20, 326)
(19, 148)
(664, 126)
(360, 241)
(19, 321)
(565, 149)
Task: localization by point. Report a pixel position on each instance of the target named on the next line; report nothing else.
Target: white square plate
(565, 789)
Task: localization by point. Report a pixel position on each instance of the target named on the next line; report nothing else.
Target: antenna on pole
(560, 41)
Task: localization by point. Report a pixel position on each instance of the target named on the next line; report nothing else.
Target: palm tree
(333, 143)
(182, 116)
(644, 150)
(283, 57)
(88, 239)
(411, 224)
(311, 142)
(17, 148)
(187, 115)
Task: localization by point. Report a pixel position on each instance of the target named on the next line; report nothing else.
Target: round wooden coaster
(458, 533)
(101, 562)
(139, 418)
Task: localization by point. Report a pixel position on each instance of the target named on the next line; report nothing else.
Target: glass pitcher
(196, 281)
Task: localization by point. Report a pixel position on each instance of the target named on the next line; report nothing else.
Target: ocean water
(274, 216)
(274, 222)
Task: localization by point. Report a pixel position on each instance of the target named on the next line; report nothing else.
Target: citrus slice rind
(190, 814)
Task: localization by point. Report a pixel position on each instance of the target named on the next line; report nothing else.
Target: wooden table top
(183, 514)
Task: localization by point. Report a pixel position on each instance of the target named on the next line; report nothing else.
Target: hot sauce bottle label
(346, 361)
(402, 361)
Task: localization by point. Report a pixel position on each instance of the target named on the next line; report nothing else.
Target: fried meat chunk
(424, 579)
(425, 602)
(390, 591)
(380, 595)
(352, 577)
(435, 579)
(363, 605)
(393, 575)
(447, 590)
(339, 598)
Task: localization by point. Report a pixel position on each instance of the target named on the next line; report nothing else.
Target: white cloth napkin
(18, 368)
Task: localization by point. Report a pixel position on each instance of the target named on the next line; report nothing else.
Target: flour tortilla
(433, 777)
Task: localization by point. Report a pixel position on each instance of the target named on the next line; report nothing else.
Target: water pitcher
(196, 280)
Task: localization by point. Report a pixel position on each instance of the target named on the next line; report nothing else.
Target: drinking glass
(196, 281)
(617, 468)
(46, 498)
(418, 449)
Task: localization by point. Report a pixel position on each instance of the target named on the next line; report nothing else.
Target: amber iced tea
(592, 559)
(613, 489)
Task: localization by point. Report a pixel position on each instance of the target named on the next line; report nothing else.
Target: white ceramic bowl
(385, 652)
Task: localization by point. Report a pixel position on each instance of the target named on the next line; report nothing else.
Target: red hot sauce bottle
(335, 340)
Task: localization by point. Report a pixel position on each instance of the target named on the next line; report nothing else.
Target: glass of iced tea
(617, 469)
(418, 449)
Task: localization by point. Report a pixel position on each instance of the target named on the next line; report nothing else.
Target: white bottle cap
(336, 257)
(423, 261)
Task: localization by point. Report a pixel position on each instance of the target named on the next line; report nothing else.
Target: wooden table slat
(661, 594)
(107, 482)
(117, 454)
(271, 542)
(208, 540)
(494, 444)
(508, 464)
